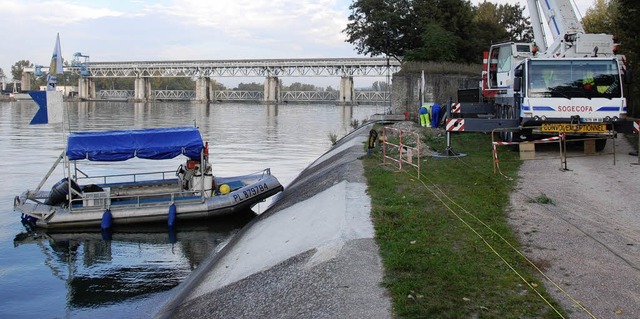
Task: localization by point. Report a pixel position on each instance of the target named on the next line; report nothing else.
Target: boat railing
(103, 200)
(126, 178)
(266, 171)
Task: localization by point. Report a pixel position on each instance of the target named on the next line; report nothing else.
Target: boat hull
(238, 200)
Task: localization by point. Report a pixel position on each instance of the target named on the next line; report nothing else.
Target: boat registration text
(248, 193)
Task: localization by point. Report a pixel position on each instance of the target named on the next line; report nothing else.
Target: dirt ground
(587, 241)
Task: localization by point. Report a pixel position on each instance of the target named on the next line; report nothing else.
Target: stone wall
(439, 88)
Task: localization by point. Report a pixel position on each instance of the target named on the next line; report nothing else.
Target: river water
(78, 275)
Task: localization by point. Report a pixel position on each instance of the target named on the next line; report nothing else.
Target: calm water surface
(77, 275)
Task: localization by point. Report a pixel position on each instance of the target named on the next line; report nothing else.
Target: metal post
(384, 146)
(400, 148)
(563, 152)
(448, 112)
(448, 152)
(638, 152)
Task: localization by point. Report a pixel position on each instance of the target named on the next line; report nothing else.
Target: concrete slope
(311, 255)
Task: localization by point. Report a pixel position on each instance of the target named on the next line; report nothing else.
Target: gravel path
(588, 240)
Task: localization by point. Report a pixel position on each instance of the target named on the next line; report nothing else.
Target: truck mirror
(517, 84)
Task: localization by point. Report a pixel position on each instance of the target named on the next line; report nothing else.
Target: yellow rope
(493, 249)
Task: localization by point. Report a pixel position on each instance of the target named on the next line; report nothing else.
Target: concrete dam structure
(312, 254)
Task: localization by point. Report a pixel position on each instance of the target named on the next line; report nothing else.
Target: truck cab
(554, 90)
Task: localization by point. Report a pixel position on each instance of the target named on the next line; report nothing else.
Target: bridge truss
(244, 68)
(236, 95)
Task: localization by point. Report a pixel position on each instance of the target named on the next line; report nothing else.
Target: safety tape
(455, 108)
(544, 140)
(505, 143)
(455, 125)
(549, 139)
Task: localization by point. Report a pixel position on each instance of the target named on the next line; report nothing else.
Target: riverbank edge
(311, 254)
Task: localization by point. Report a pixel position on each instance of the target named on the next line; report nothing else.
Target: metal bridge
(361, 97)
(244, 68)
(203, 71)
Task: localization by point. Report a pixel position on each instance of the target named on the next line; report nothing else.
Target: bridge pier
(203, 89)
(142, 89)
(86, 89)
(272, 90)
(26, 81)
(346, 95)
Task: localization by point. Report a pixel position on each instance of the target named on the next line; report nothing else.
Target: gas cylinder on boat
(197, 180)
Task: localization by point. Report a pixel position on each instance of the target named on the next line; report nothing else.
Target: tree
(517, 26)
(297, 86)
(218, 86)
(381, 86)
(438, 45)
(172, 83)
(18, 67)
(454, 16)
(382, 27)
(114, 83)
(601, 17)
(253, 86)
(435, 30)
(626, 22)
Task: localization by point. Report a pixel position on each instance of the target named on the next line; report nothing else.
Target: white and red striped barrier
(544, 140)
(455, 108)
(636, 127)
(455, 125)
(496, 162)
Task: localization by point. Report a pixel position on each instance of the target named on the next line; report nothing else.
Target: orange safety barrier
(406, 151)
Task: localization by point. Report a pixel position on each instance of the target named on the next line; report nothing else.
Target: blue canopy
(159, 143)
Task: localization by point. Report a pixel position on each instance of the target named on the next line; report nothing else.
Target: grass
(333, 137)
(435, 265)
(543, 199)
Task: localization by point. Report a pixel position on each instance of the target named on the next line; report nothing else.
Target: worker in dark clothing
(435, 114)
(373, 136)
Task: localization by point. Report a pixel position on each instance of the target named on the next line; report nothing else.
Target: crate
(527, 151)
(101, 199)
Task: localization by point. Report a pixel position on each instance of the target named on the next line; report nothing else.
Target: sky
(154, 30)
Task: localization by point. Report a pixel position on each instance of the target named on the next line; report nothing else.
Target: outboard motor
(59, 192)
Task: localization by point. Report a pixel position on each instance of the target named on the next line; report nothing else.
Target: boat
(80, 200)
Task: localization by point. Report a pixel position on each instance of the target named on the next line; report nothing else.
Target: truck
(575, 85)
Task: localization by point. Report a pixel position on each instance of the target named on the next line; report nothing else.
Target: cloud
(173, 29)
(54, 13)
(275, 22)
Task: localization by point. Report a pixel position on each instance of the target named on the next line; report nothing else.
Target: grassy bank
(444, 238)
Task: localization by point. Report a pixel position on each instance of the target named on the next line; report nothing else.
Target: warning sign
(574, 128)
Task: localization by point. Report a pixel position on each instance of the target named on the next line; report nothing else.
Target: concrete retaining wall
(438, 88)
(312, 254)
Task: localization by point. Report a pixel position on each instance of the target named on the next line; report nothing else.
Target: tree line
(433, 30)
